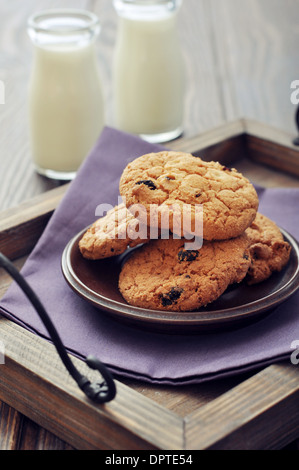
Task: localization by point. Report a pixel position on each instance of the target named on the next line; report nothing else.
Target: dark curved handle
(296, 140)
(99, 392)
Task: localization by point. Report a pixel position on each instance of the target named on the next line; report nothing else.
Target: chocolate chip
(198, 195)
(187, 276)
(187, 255)
(225, 168)
(112, 250)
(172, 296)
(246, 257)
(149, 183)
(169, 178)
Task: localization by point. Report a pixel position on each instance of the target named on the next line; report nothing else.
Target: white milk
(149, 78)
(66, 107)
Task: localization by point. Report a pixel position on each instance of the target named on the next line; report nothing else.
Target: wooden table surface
(240, 56)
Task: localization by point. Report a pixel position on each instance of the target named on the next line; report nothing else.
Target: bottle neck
(66, 29)
(146, 10)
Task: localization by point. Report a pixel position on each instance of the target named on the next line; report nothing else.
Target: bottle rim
(147, 2)
(37, 21)
(146, 9)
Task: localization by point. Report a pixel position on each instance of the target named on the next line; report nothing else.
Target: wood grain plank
(34, 381)
(204, 106)
(257, 58)
(5, 279)
(19, 433)
(272, 147)
(10, 427)
(21, 227)
(33, 437)
(184, 400)
(251, 415)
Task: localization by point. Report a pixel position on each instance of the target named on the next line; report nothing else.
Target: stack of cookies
(169, 269)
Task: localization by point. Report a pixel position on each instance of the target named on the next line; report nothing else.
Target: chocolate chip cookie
(166, 180)
(163, 275)
(269, 252)
(112, 234)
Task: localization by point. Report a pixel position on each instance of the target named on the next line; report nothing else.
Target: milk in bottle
(148, 71)
(66, 109)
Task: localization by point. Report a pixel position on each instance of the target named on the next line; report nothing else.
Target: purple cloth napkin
(154, 357)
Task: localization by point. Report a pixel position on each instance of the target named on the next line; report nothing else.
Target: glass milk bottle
(148, 72)
(66, 109)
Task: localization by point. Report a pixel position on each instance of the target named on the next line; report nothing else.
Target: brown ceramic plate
(97, 283)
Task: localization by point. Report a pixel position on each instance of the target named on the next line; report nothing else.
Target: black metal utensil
(100, 392)
(296, 140)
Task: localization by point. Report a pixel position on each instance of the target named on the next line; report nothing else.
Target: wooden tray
(254, 411)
